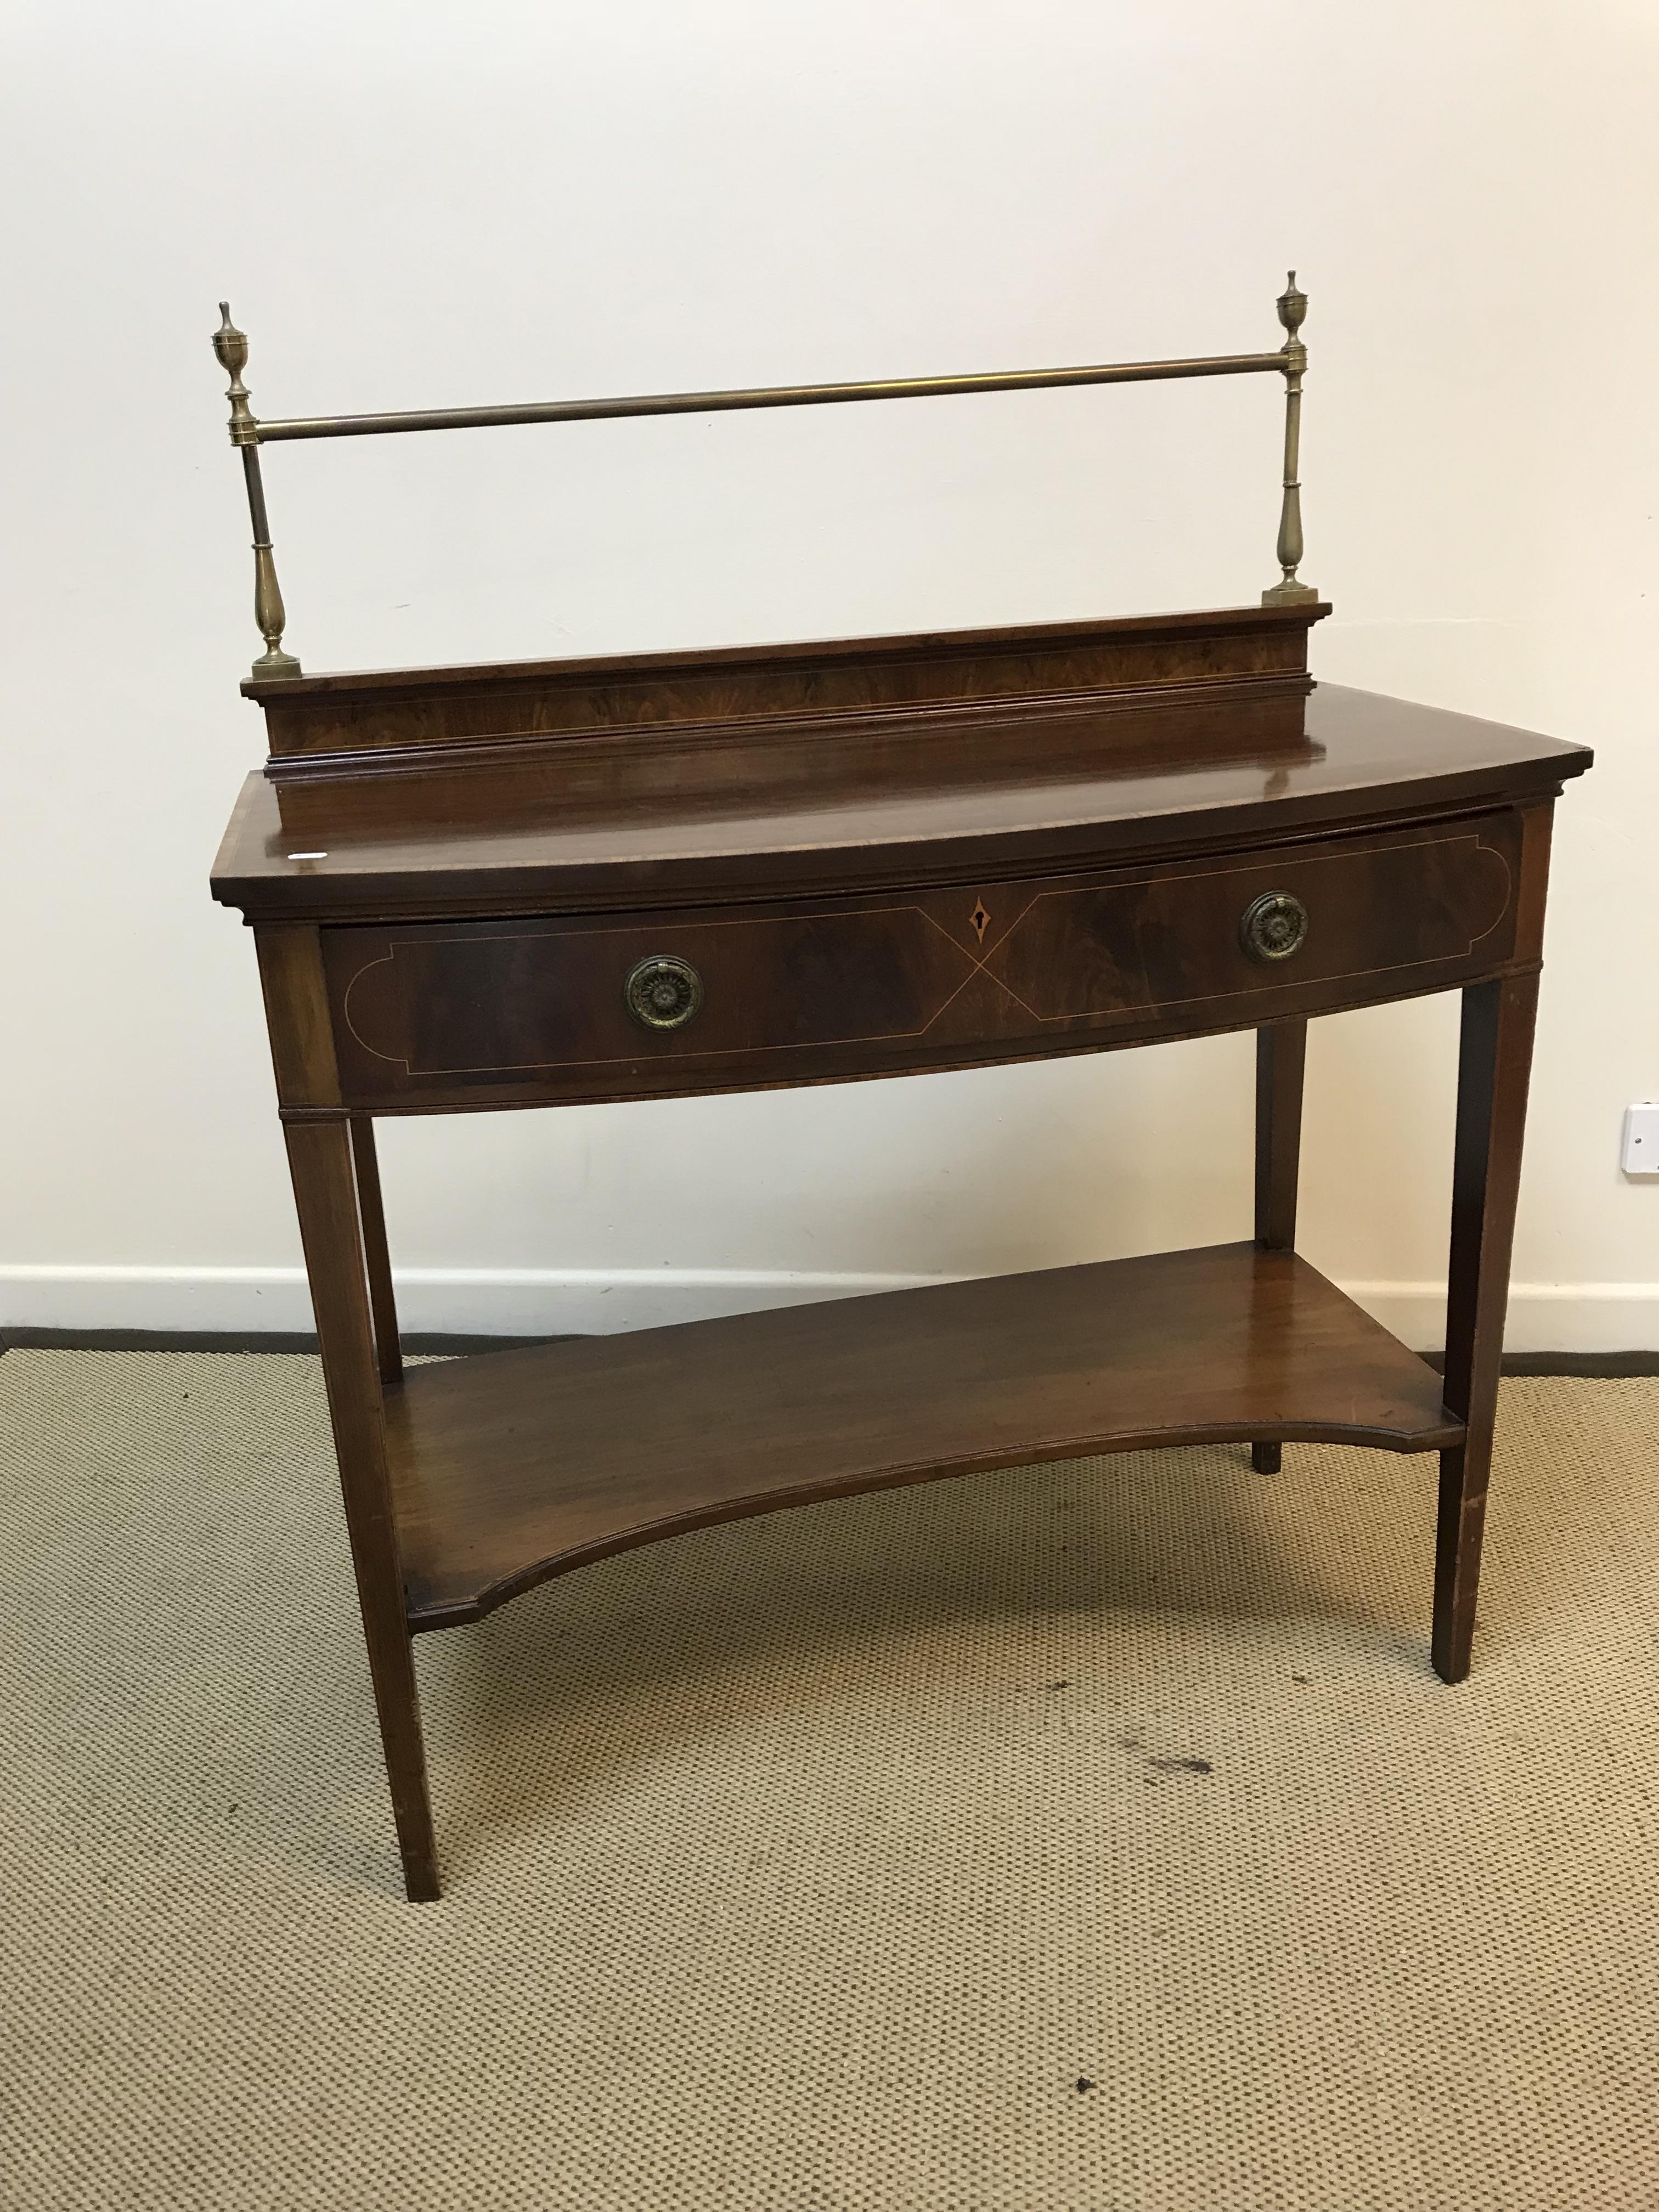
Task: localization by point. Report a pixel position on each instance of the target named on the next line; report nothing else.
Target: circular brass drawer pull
(662, 992)
(1274, 925)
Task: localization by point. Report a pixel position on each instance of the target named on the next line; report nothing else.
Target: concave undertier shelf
(509, 1467)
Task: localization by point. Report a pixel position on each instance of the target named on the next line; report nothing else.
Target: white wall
(427, 204)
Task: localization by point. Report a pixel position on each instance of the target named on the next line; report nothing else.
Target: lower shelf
(509, 1467)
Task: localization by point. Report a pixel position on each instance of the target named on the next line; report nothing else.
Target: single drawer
(621, 1005)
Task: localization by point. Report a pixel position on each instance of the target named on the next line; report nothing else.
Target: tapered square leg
(1494, 1063)
(326, 1191)
(382, 1304)
(1280, 1058)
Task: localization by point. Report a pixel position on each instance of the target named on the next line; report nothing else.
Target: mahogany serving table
(663, 875)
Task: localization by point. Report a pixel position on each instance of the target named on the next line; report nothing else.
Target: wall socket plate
(1641, 1154)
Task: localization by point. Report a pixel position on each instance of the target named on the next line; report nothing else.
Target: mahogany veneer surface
(315, 722)
(509, 1467)
(461, 1014)
(612, 823)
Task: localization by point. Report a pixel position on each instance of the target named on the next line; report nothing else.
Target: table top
(612, 823)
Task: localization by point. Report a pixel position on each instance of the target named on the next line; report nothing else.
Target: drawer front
(620, 1005)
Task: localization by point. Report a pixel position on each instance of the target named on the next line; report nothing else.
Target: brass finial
(1293, 359)
(229, 342)
(230, 346)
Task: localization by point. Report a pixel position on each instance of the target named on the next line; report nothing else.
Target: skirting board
(465, 1302)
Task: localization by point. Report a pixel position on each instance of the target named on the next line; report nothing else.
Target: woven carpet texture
(1087, 1838)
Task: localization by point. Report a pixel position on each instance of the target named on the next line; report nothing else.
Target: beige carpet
(1087, 1839)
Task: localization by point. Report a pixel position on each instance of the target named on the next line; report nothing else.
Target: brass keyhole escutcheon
(1274, 925)
(663, 992)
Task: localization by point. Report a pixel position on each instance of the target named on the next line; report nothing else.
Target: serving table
(655, 876)
(734, 872)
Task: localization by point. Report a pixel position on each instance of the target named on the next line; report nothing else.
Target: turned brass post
(231, 347)
(1293, 359)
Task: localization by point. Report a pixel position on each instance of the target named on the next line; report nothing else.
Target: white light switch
(1642, 1138)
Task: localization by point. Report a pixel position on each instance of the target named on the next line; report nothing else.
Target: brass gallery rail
(248, 432)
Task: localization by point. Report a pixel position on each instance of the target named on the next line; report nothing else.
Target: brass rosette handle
(1274, 925)
(663, 992)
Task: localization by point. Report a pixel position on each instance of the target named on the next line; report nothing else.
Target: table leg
(383, 1304)
(1494, 1061)
(1280, 1056)
(326, 1191)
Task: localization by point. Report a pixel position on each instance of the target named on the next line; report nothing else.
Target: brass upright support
(231, 347)
(1294, 358)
